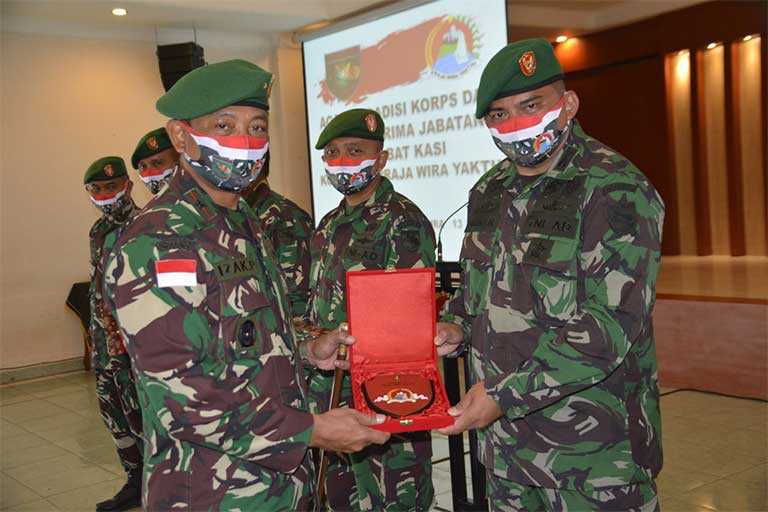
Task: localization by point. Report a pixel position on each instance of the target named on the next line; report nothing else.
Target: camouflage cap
(518, 67)
(209, 88)
(103, 169)
(358, 122)
(151, 144)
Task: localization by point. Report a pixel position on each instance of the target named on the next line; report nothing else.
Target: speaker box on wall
(176, 60)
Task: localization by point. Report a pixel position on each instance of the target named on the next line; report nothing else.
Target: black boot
(127, 498)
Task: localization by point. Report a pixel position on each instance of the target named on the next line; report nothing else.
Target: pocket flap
(554, 254)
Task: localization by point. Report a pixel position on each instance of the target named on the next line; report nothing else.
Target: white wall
(289, 162)
(65, 102)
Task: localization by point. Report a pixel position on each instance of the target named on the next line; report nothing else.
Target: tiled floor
(55, 453)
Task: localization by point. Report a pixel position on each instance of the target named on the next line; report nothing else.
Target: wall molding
(35, 371)
(148, 34)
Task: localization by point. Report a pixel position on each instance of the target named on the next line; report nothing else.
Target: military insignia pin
(152, 143)
(108, 170)
(527, 62)
(370, 122)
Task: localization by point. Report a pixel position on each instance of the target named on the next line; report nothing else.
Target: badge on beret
(108, 170)
(370, 122)
(152, 143)
(399, 395)
(527, 62)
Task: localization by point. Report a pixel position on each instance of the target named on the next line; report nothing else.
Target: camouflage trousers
(505, 495)
(394, 477)
(119, 407)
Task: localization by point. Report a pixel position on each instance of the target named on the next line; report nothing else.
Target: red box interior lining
(436, 416)
(392, 315)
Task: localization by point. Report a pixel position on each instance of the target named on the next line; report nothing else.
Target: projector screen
(418, 68)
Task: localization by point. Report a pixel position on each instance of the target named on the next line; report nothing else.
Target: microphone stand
(440, 233)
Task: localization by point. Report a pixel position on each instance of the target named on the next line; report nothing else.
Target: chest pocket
(550, 267)
(245, 314)
(366, 253)
(253, 328)
(550, 235)
(477, 249)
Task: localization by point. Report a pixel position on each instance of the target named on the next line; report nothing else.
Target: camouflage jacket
(224, 409)
(105, 339)
(386, 231)
(289, 228)
(558, 286)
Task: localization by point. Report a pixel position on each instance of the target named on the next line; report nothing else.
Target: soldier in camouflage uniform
(156, 159)
(108, 185)
(204, 310)
(560, 257)
(373, 227)
(289, 228)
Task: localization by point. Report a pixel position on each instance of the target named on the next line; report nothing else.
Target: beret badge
(371, 123)
(527, 62)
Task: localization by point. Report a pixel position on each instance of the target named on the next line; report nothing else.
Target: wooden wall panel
(731, 71)
(698, 136)
(764, 91)
(693, 27)
(678, 79)
(714, 144)
(624, 106)
(751, 115)
(723, 188)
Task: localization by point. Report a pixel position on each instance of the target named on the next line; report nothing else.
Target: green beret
(358, 122)
(518, 67)
(151, 144)
(209, 88)
(104, 169)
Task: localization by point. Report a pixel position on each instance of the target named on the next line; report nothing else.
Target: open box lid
(392, 316)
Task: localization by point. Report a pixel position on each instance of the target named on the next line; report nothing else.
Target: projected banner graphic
(419, 69)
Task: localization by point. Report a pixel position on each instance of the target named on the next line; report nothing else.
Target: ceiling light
(711, 45)
(747, 38)
(561, 38)
(119, 11)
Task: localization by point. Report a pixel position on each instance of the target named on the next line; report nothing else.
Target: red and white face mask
(228, 162)
(529, 140)
(348, 175)
(155, 178)
(109, 202)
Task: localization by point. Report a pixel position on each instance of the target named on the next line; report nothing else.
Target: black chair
(79, 304)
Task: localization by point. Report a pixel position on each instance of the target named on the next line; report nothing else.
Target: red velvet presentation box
(393, 362)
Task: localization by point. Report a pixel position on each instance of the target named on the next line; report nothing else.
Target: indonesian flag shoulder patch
(176, 273)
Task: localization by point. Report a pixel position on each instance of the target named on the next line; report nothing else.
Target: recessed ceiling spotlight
(561, 38)
(711, 45)
(747, 38)
(119, 11)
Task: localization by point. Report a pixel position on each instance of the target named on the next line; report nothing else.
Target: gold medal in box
(399, 395)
